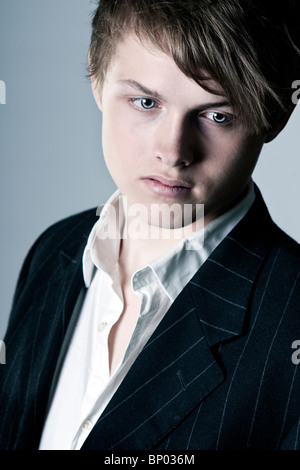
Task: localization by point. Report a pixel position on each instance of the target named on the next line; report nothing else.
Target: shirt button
(86, 425)
(102, 326)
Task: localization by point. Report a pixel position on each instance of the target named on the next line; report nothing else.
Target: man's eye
(144, 103)
(219, 118)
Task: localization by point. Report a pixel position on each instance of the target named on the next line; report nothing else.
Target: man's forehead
(130, 49)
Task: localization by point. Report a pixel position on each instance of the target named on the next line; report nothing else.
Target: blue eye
(144, 103)
(219, 118)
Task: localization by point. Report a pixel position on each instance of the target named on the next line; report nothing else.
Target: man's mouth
(166, 187)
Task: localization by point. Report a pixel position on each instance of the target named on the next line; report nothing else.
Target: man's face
(166, 140)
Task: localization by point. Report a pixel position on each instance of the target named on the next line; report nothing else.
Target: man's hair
(249, 47)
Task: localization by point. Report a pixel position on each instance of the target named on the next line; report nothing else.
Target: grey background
(50, 134)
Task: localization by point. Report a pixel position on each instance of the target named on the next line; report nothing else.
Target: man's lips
(168, 182)
(167, 187)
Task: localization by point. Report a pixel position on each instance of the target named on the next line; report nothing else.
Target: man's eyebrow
(154, 94)
(216, 104)
(139, 87)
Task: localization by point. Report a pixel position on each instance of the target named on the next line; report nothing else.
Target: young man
(171, 331)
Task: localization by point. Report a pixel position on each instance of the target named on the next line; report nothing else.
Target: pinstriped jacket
(216, 374)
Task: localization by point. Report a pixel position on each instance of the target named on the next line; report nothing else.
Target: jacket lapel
(222, 288)
(177, 369)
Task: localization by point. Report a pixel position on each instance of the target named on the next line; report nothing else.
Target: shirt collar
(102, 249)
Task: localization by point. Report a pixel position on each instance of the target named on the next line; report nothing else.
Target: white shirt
(85, 386)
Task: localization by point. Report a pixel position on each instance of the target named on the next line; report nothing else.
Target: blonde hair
(249, 49)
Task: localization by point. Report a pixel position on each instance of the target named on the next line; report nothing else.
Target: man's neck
(138, 249)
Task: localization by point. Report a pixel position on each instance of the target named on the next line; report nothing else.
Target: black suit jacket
(216, 374)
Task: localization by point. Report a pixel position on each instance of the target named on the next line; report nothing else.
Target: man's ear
(280, 125)
(96, 92)
(95, 86)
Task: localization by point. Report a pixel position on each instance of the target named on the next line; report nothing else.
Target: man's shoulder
(282, 254)
(260, 232)
(286, 244)
(282, 247)
(68, 235)
(83, 220)
(63, 239)
(80, 223)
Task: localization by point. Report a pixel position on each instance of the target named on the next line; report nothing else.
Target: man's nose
(174, 141)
